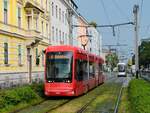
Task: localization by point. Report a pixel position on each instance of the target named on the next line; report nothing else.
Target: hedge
(26, 95)
(139, 96)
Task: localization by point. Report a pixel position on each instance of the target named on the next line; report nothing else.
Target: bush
(139, 96)
(2, 103)
(26, 94)
(12, 97)
(38, 89)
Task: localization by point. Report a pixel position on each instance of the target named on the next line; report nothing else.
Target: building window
(19, 54)
(53, 32)
(56, 35)
(37, 57)
(47, 30)
(5, 53)
(42, 58)
(56, 11)
(52, 8)
(59, 14)
(63, 16)
(65, 39)
(19, 17)
(36, 24)
(42, 23)
(59, 35)
(28, 22)
(46, 5)
(90, 49)
(5, 11)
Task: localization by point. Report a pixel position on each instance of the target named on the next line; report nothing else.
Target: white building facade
(75, 34)
(62, 18)
(95, 41)
(61, 21)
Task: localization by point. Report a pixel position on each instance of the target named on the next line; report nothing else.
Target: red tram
(71, 71)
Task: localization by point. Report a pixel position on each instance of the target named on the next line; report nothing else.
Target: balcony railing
(33, 4)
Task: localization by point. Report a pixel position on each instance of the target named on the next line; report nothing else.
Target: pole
(136, 28)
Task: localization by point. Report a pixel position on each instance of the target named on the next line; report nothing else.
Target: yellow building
(24, 34)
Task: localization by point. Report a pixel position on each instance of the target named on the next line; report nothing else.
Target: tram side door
(79, 77)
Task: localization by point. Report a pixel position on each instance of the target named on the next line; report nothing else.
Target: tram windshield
(121, 68)
(59, 66)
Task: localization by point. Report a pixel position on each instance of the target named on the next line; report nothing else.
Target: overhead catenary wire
(105, 11)
(141, 11)
(111, 26)
(141, 14)
(120, 10)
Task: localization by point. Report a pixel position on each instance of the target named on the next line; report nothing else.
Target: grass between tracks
(106, 96)
(136, 98)
(20, 97)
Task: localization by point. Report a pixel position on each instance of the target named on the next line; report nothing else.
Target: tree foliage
(94, 24)
(144, 53)
(112, 60)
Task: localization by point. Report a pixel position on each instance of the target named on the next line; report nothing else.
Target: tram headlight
(46, 93)
(68, 81)
(72, 92)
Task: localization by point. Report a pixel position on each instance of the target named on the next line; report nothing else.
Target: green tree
(144, 53)
(94, 24)
(112, 60)
(129, 62)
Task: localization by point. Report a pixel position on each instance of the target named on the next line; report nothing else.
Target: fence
(145, 75)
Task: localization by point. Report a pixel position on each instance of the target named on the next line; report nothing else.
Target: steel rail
(58, 106)
(47, 111)
(119, 98)
(83, 108)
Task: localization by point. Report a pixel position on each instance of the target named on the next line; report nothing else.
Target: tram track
(45, 106)
(19, 110)
(83, 109)
(58, 106)
(49, 105)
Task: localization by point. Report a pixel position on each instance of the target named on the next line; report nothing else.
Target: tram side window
(97, 70)
(91, 70)
(100, 67)
(85, 70)
(81, 70)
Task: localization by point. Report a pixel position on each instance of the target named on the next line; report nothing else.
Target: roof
(71, 48)
(64, 47)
